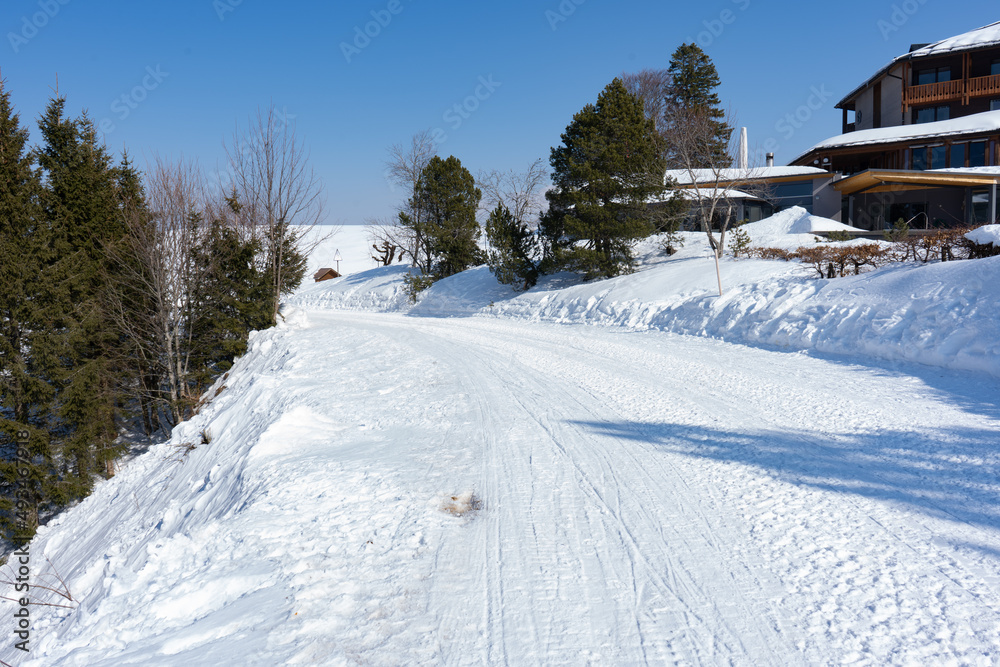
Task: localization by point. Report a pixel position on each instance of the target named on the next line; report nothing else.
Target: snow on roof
(985, 235)
(969, 170)
(713, 193)
(988, 121)
(988, 35)
(684, 177)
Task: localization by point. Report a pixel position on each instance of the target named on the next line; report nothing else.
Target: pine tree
(80, 206)
(447, 196)
(512, 249)
(26, 392)
(692, 97)
(231, 299)
(608, 167)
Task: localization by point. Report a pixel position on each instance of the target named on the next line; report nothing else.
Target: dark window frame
(939, 112)
(923, 76)
(938, 158)
(953, 152)
(974, 153)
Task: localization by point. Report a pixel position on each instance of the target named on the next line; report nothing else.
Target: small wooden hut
(325, 274)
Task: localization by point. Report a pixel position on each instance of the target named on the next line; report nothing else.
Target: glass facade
(980, 209)
(957, 156)
(938, 156)
(977, 154)
(800, 193)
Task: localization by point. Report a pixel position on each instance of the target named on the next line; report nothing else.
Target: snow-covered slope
(487, 478)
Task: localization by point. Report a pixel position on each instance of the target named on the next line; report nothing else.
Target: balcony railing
(984, 86)
(947, 91)
(935, 92)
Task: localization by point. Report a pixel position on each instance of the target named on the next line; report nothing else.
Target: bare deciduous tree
(279, 194)
(712, 191)
(652, 86)
(158, 273)
(404, 165)
(387, 239)
(521, 192)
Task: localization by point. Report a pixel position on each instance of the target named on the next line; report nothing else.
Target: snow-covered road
(646, 498)
(652, 499)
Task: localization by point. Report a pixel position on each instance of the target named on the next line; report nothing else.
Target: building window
(933, 75)
(939, 154)
(931, 114)
(995, 67)
(787, 195)
(914, 214)
(958, 152)
(919, 161)
(980, 208)
(977, 154)
(994, 105)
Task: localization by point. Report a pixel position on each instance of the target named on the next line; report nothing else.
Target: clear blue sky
(174, 78)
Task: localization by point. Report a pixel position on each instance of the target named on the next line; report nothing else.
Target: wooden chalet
(924, 141)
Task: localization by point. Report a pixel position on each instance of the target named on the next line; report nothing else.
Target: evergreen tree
(610, 164)
(447, 197)
(691, 97)
(512, 249)
(231, 299)
(26, 392)
(80, 206)
(286, 260)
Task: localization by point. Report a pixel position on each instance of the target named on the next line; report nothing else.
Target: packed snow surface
(985, 235)
(486, 477)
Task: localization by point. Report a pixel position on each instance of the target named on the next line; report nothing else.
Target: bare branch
(521, 192)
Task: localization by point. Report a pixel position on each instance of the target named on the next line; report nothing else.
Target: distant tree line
(123, 297)
(608, 187)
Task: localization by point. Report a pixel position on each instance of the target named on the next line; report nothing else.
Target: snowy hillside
(936, 314)
(488, 478)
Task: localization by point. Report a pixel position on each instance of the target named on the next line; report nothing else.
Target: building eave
(896, 180)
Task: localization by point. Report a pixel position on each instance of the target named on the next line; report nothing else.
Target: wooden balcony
(946, 91)
(984, 86)
(949, 91)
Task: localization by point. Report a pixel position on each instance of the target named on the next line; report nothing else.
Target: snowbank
(937, 314)
(792, 228)
(985, 235)
(379, 290)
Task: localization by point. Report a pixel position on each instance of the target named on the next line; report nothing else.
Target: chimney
(770, 159)
(744, 150)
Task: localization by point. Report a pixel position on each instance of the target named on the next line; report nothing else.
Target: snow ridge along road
(646, 498)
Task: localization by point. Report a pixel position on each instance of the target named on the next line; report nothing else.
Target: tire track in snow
(601, 491)
(834, 552)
